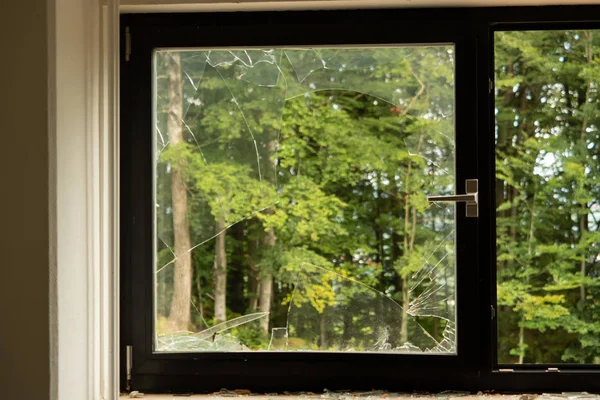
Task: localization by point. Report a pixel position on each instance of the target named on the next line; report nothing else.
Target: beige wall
(24, 248)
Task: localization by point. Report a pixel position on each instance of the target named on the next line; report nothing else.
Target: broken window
(290, 194)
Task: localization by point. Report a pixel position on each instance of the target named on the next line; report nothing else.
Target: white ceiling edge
(149, 6)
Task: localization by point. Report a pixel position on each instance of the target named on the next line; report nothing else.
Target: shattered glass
(356, 306)
(234, 105)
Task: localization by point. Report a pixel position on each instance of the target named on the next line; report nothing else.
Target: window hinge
(127, 44)
(129, 364)
(552, 370)
(490, 84)
(492, 311)
(506, 370)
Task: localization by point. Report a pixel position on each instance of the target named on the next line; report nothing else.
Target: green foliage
(547, 165)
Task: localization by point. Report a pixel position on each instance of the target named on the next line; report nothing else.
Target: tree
(179, 316)
(220, 272)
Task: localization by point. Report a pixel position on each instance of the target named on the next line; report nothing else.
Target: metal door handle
(471, 198)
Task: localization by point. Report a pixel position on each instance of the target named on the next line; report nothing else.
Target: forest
(547, 193)
(291, 199)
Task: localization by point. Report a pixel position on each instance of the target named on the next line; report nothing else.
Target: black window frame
(475, 367)
(531, 372)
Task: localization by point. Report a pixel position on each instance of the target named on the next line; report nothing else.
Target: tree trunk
(323, 332)
(410, 232)
(501, 145)
(504, 127)
(253, 281)
(347, 335)
(502, 189)
(583, 227)
(405, 304)
(180, 314)
(200, 299)
(583, 221)
(379, 231)
(266, 280)
(396, 235)
(253, 286)
(409, 247)
(521, 344)
(266, 285)
(236, 269)
(220, 273)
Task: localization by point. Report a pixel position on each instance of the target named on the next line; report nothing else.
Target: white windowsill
(341, 396)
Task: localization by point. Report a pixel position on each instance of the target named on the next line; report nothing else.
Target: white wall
(24, 208)
(73, 130)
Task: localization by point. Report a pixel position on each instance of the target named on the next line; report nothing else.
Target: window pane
(291, 210)
(548, 188)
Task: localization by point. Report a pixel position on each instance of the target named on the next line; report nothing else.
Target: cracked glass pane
(291, 208)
